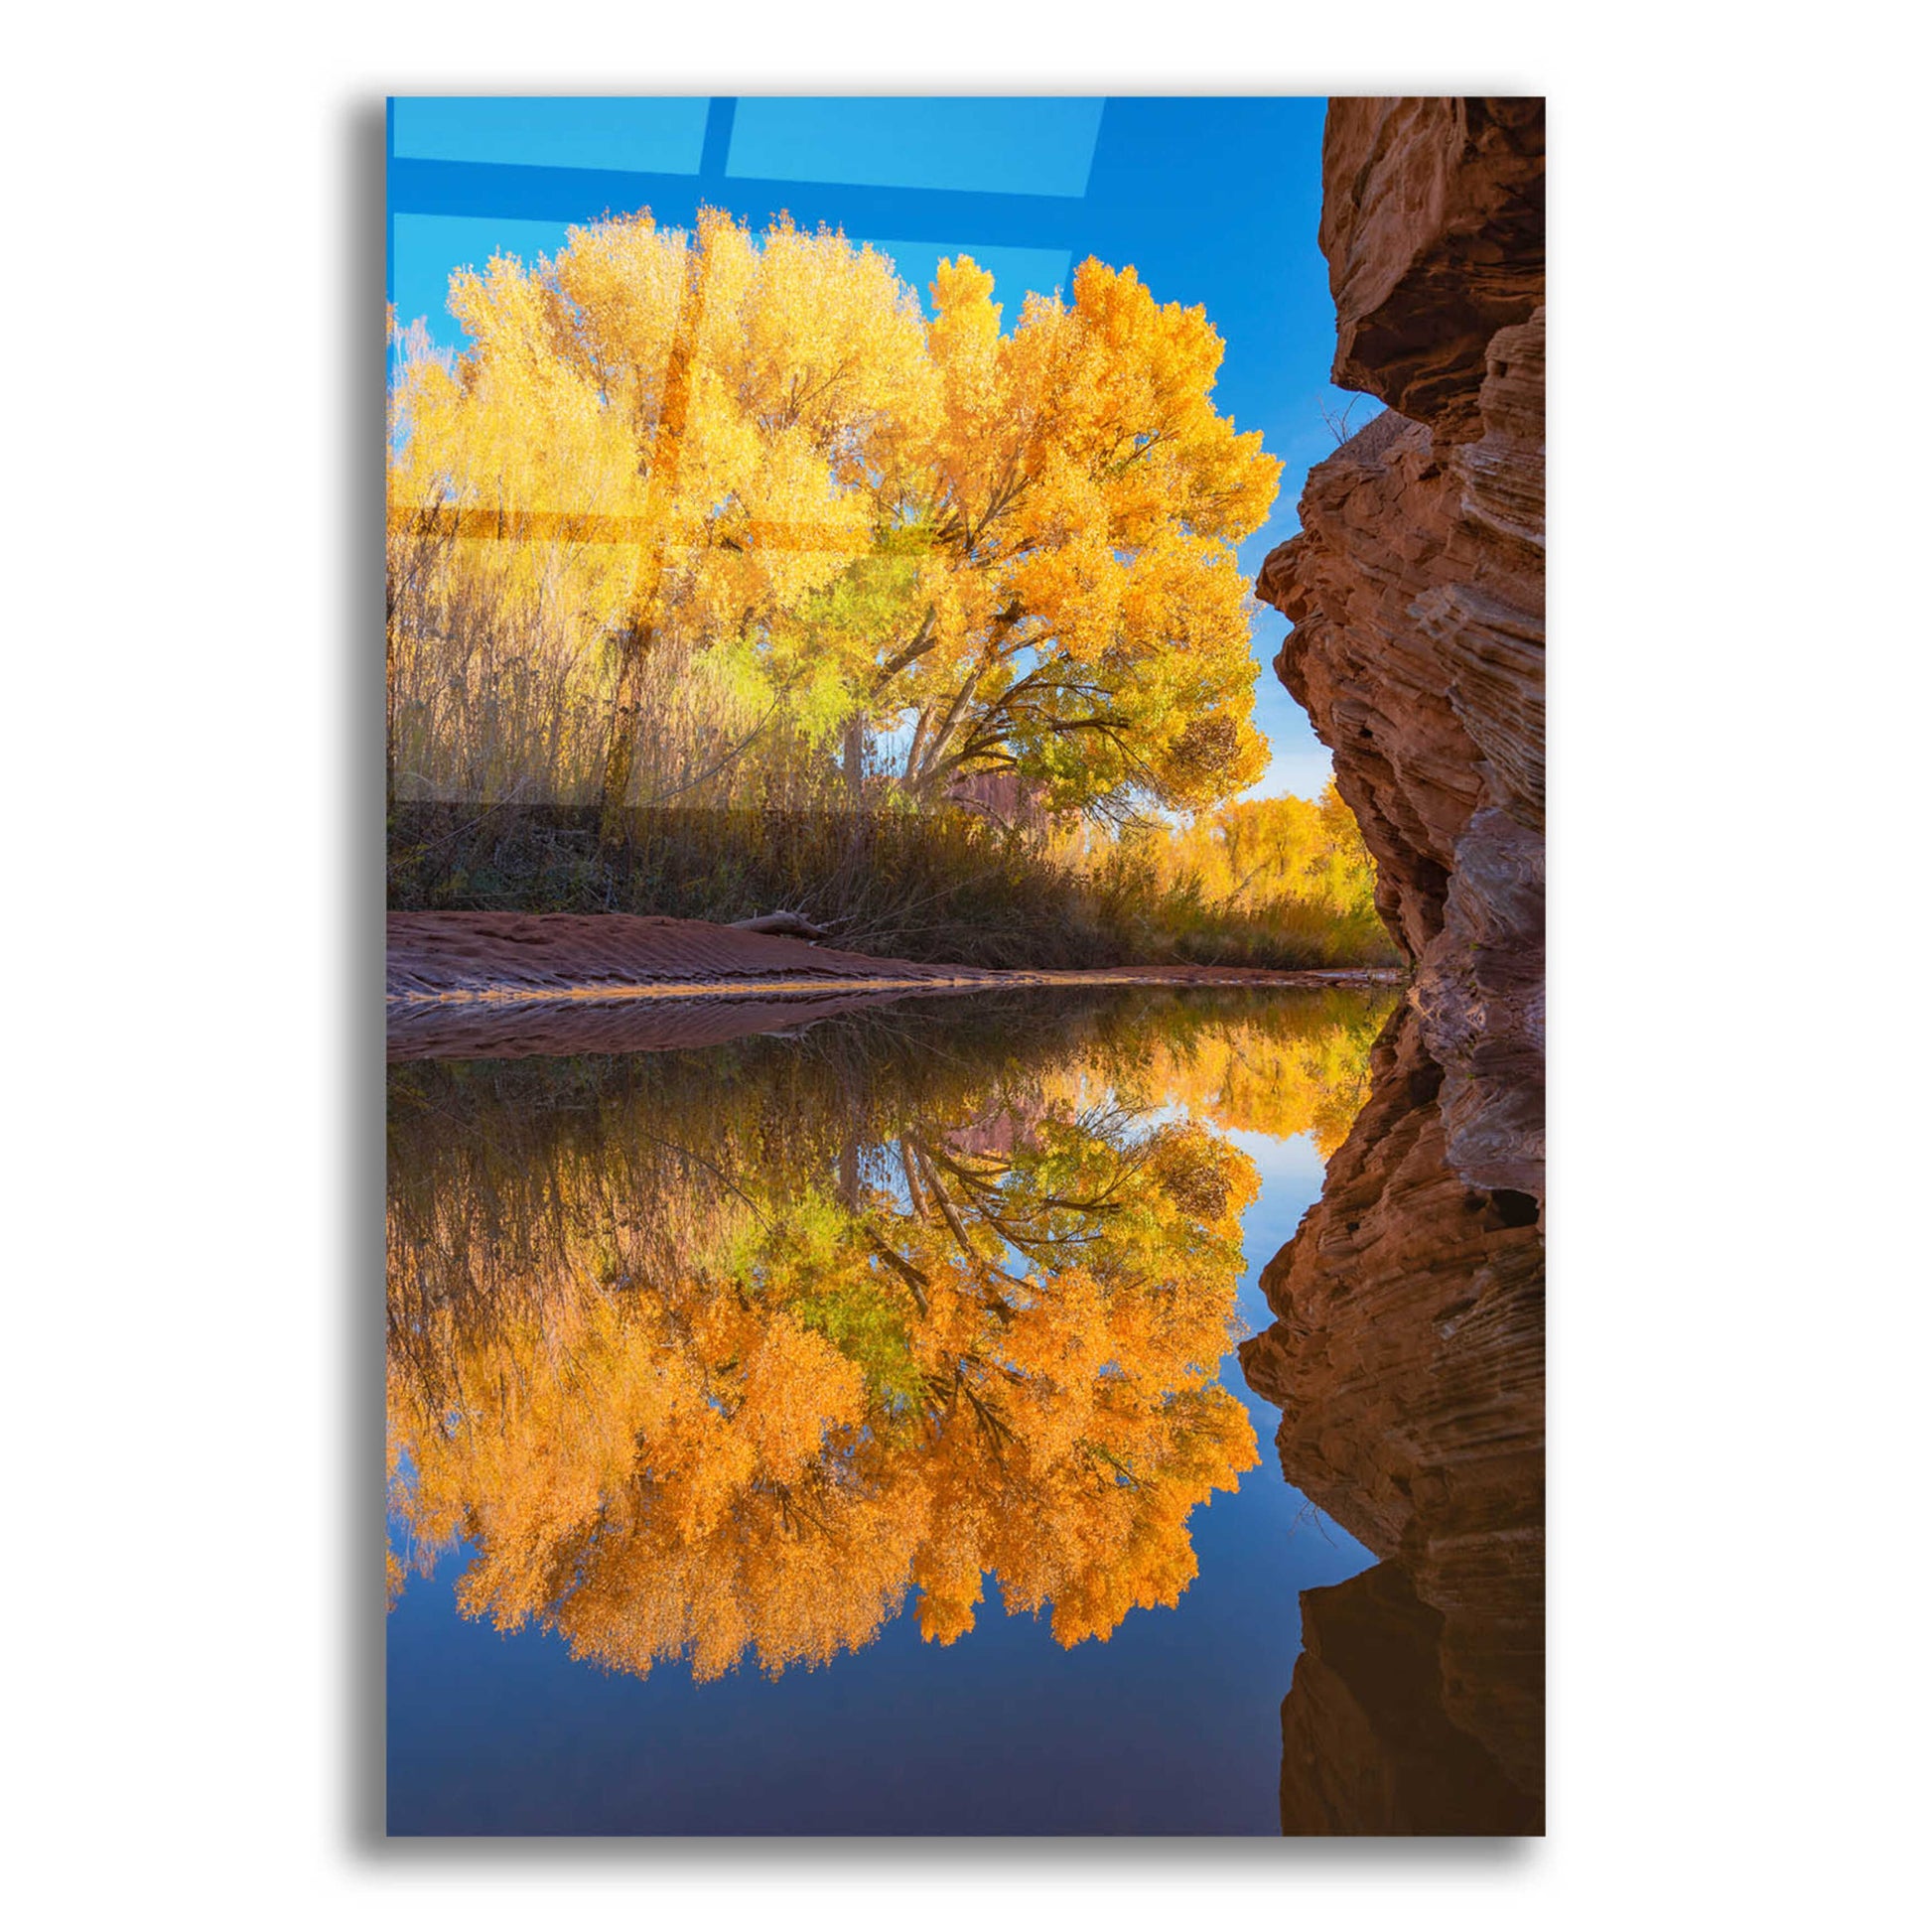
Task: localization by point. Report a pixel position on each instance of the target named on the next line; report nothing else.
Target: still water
(842, 1433)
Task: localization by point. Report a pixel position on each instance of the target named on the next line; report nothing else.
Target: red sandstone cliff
(1407, 1356)
(1416, 587)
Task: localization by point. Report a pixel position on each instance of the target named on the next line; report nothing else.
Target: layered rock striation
(1431, 224)
(1406, 1353)
(1416, 587)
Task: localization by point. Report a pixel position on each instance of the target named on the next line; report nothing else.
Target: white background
(192, 879)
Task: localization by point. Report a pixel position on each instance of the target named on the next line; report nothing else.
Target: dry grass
(940, 886)
(500, 696)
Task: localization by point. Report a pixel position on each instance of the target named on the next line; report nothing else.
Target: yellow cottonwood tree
(1087, 626)
(1254, 850)
(710, 411)
(1012, 552)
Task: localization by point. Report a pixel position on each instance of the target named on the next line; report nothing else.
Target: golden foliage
(1260, 851)
(730, 1368)
(1003, 552)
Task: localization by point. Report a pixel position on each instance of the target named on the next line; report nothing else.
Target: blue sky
(1214, 200)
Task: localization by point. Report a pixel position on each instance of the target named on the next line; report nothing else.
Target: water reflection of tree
(709, 1354)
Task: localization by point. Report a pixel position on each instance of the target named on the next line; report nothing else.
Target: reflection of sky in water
(1169, 1727)
(1290, 1180)
(1215, 201)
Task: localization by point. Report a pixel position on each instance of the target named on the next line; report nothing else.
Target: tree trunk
(620, 755)
(855, 758)
(667, 459)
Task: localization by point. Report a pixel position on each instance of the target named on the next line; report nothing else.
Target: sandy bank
(496, 984)
(463, 957)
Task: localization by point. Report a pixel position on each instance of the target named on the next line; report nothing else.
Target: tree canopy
(989, 552)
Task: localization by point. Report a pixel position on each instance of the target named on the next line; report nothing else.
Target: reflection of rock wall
(1408, 1363)
(1408, 1356)
(1416, 587)
(1367, 1745)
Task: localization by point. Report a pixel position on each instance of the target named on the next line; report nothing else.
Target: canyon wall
(1416, 587)
(1406, 1353)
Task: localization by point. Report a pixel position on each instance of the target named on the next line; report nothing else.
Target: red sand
(437, 954)
(493, 985)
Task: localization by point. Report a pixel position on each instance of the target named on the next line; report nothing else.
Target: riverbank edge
(461, 958)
